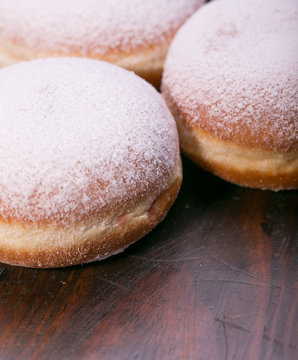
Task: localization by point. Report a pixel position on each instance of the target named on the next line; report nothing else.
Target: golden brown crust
(242, 165)
(250, 178)
(243, 134)
(123, 202)
(98, 242)
(237, 133)
(145, 61)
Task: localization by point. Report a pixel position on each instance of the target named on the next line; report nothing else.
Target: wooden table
(216, 280)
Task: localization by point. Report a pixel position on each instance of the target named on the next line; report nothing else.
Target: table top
(217, 279)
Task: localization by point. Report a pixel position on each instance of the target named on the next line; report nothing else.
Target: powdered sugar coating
(233, 70)
(78, 135)
(92, 26)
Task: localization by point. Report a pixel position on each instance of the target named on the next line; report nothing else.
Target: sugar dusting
(78, 134)
(95, 26)
(237, 62)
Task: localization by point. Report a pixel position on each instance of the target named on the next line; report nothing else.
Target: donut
(231, 82)
(89, 161)
(134, 34)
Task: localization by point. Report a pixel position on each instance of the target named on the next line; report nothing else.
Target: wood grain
(216, 280)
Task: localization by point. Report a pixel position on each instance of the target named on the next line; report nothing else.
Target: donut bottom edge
(237, 164)
(85, 242)
(147, 62)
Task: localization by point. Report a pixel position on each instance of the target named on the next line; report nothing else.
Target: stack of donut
(89, 152)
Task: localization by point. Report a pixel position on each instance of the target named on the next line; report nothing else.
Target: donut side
(146, 62)
(46, 245)
(239, 164)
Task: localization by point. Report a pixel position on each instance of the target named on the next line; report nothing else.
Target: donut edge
(147, 62)
(104, 240)
(275, 180)
(238, 164)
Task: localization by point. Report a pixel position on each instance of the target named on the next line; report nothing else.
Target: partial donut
(231, 81)
(134, 34)
(89, 161)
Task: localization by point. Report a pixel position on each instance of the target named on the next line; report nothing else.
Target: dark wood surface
(216, 280)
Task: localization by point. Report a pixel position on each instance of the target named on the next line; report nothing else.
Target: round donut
(89, 161)
(134, 34)
(231, 82)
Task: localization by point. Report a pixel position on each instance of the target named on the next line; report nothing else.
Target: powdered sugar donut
(231, 81)
(134, 34)
(89, 161)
